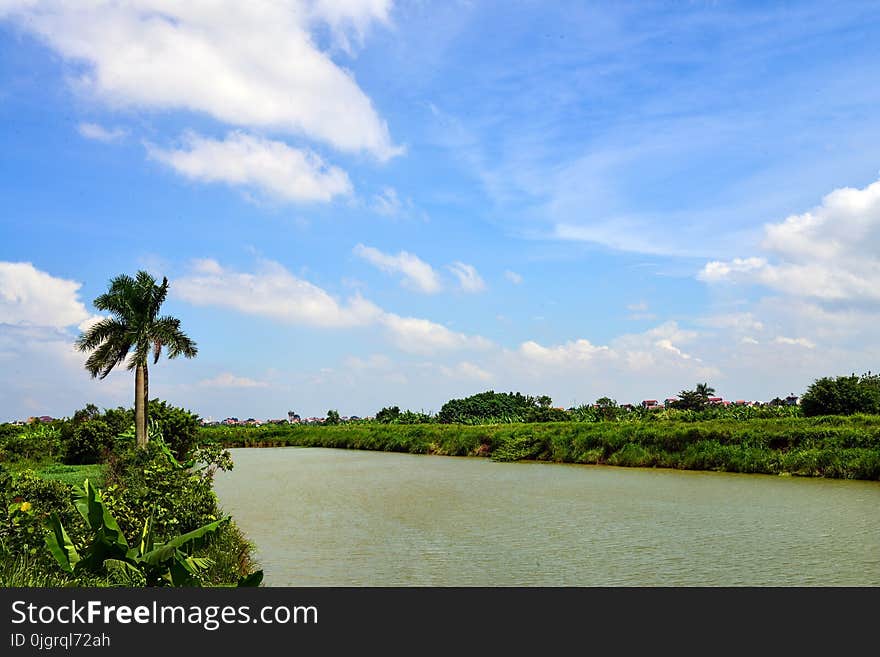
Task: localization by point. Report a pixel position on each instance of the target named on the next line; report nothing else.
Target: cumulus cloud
(417, 274)
(29, 296)
(272, 167)
(271, 292)
(229, 380)
(248, 64)
(469, 280)
(828, 253)
(275, 293)
(100, 133)
(571, 353)
(417, 335)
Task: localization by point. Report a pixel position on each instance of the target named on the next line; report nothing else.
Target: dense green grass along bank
(833, 446)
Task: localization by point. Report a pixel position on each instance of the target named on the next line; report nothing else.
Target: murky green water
(326, 517)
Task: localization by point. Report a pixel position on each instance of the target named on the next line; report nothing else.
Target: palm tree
(135, 326)
(705, 390)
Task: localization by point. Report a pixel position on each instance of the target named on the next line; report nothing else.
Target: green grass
(73, 475)
(836, 447)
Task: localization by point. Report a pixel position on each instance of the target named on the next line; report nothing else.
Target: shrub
(179, 427)
(842, 395)
(89, 442)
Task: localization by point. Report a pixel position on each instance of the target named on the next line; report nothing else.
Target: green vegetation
(843, 395)
(837, 447)
(167, 486)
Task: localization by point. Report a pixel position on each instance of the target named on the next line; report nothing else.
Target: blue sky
(369, 203)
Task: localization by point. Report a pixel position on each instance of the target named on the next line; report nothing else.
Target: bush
(179, 427)
(843, 395)
(89, 442)
(35, 442)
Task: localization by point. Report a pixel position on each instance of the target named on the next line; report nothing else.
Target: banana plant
(148, 562)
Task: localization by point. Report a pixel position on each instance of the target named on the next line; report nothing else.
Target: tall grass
(838, 447)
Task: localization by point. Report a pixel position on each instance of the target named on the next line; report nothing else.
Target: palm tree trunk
(146, 404)
(139, 410)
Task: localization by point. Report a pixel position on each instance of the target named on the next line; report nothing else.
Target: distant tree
(388, 414)
(606, 407)
(842, 395)
(333, 417)
(491, 406)
(690, 400)
(705, 391)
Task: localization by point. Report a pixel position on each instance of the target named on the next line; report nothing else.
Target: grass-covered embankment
(833, 446)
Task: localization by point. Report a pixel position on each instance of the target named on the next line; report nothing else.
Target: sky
(370, 203)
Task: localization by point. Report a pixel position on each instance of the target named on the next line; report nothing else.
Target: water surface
(328, 517)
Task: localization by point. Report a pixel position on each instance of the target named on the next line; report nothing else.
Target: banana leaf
(60, 545)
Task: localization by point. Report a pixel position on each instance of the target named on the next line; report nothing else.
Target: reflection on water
(327, 517)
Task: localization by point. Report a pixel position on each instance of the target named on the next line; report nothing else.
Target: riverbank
(834, 447)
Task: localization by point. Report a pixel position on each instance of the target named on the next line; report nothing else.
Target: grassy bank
(834, 446)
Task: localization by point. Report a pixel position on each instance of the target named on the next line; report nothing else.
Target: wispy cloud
(228, 380)
(417, 274)
(469, 280)
(100, 133)
(513, 277)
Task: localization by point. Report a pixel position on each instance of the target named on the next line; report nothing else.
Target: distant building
(791, 400)
(651, 404)
(715, 400)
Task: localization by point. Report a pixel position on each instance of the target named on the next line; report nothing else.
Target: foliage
(89, 442)
(388, 414)
(690, 400)
(32, 442)
(490, 404)
(27, 502)
(843, 395)
(179, 427)
(107, 551)
(332, 418)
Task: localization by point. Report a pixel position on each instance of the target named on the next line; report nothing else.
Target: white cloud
(828, 253)
(513, 277)
(272, 167)
(29, 296)
(249, 64)
(276, 293)
(272, 292)
(228, 380)
(468, 278)
(467, 371)
(799, 342)
(100, 133)
(717, 270)
(417, 273)
(745, 321)
(571, 353)
(417, 335)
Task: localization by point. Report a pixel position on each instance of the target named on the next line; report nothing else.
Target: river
(328, 517)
